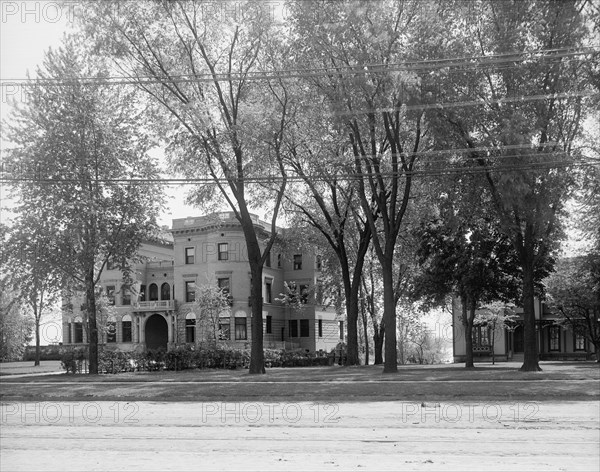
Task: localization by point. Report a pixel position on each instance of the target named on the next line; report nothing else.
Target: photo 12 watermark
(73, 413)
(428, 412)
(285, 413)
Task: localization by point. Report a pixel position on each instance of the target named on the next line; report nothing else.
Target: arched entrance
(157, 332)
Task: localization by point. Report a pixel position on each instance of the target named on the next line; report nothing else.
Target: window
(190, 292)
(304, 329)
(341, 330)
(297, 261)
(579, 343)
(293, 328)
(78, 332)
(110, 294)
(153, 295)
(554, 338)
(126, 329)
(268, 292)
(224, 329)
(111, 331)
(279, 261)
(269, 327)
(320, 328)
(165, 291)
(142, 293)
(125, 295)
(223, 251)
(481, 338)
(190, 328)
(224, 285)
(190, 255)
(240, 329)
(69, 334)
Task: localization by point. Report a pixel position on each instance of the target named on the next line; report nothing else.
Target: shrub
(72, 360)
(114, 362)
(180, 358)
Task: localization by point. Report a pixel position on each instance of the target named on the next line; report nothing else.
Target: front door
(157, 332)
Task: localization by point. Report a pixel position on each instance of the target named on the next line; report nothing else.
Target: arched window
(165, 291)
(153, 292)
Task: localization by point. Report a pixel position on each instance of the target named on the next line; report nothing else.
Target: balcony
(155, 305)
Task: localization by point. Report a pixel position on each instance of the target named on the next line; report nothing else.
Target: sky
(27, 30)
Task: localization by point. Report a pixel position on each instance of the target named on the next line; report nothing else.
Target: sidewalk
(27, 368)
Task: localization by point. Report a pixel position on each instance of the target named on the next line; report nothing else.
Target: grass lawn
(572, 381)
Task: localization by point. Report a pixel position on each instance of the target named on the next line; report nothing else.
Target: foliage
(371, 107)
(498, 317)
(574, 294)
(36, 280)
(520, 141)
(72, 360)
(77, 145)
(211, 303)
(223, 128)
(15, 323)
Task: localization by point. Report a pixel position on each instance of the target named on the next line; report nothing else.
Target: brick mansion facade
(158, 309)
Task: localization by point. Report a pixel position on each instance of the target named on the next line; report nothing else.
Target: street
(101, 435)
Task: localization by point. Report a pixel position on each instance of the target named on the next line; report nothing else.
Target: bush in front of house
(72, 360)
(113, 361)
(47, 353)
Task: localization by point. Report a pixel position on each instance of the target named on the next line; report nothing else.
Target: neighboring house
(555, 341)
(157, 311)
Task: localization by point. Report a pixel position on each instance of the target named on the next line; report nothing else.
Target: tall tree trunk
(468, 311)
(352, 331)
(531, 357)
(37, 338)
(365, 330)
(257, 355)
(378, 335)
(90, 290)
(390, 363)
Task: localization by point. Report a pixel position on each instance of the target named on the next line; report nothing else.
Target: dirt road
(99, 435)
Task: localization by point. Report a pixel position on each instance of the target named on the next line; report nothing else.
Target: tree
(498, 317)
(81, 171)
(210, 303)
(468, 258)
(574, 294)
(15, 323)
(329, 207)
(528, 88)
(221, 126)
(369, 104)
(38, 282)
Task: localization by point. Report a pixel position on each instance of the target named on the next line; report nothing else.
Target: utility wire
(319, 177)
(467, 61)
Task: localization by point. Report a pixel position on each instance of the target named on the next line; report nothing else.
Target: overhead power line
(358, 69)
(318, 177)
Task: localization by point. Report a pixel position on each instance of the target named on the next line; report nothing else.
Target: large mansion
(158, 310)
